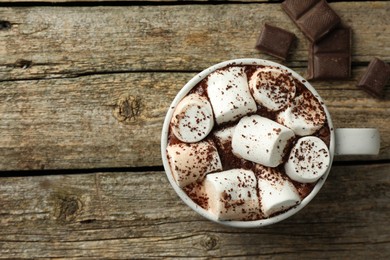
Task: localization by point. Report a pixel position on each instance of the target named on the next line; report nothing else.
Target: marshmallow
(276, 192)
(305, 115)
(191, 162)
(272, 88)
(261, 140)
(229, 94)
(309, 160)
(232, 195)
(192, 119)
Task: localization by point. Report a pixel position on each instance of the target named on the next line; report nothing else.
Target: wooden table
(84, 90)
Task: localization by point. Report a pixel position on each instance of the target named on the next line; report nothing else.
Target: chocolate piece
(314, 17)
(296, 8)
(330, 58)
(337, 41)
(375, 78)
(275, 41)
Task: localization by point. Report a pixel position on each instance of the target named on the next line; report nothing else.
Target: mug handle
(357, 141)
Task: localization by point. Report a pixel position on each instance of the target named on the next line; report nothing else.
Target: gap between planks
(159, 168)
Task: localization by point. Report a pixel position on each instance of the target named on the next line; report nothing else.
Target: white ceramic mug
(344, 141)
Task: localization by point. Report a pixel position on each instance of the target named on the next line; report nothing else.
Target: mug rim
(187, 200)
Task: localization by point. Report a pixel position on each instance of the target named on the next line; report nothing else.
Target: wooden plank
(138, 215)
(124, 2)
(75, 122)
(51, 42)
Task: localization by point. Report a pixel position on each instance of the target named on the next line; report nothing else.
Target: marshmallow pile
(247, 140)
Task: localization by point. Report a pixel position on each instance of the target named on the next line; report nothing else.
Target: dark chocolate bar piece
(338, 40)
(330, 58)
(315, 18)
(275, 41)
(296, 8)
(375, 78)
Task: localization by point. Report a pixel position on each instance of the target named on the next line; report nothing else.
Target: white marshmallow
(232, 195)
(272, 88)
(276, 192)
(305, 115)
(309, 160)
(229, 94)
(192, 119)
(261, 140)
(191, 162)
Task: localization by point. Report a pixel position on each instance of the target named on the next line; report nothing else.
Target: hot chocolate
(248, 142)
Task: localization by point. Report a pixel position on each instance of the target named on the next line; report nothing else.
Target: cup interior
(164, 142)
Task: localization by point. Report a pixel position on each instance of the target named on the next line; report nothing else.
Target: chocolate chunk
(314, 17)
(375, 78)
(275, 41)
(296, 8)
(331, 66)
(330, 58)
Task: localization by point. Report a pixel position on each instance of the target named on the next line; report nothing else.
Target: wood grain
(115, 120)
(125, 2)
(49, 42)
(87, 87)
(138, 215)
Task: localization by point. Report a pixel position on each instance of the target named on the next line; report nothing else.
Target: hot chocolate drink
(248, 142)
